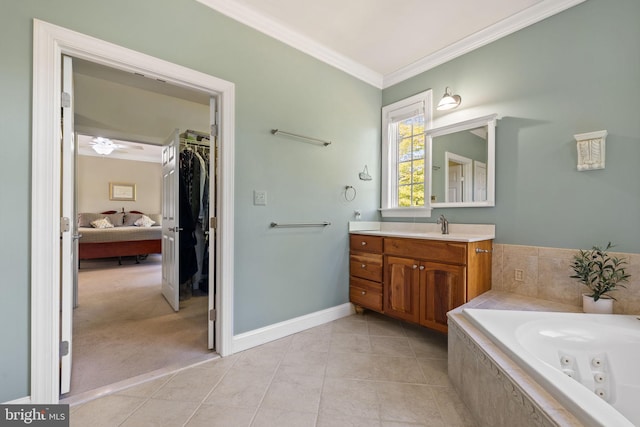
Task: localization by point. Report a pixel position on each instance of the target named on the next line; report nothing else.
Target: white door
(454, 193)
(213, 178)
(479, 181)
(171, 221)
(68, 227)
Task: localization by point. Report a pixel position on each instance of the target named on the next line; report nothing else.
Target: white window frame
(421, 102)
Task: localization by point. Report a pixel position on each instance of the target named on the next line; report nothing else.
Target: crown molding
(518, 21)
(483, 37)
(294, 39)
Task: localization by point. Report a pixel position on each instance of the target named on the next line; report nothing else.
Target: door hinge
(212, 314)
(65, 99)
(214, 222)
(64, 224)
(64, 348)
(214, 130)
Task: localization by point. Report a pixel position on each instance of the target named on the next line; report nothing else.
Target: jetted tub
(588, 362)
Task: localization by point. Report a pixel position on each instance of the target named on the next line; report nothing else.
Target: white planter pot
(604, 305)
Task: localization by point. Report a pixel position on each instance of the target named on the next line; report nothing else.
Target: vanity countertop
(429, 231)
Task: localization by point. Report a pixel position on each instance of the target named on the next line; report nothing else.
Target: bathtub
(588, 362)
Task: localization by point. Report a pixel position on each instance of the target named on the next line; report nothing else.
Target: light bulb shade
(448, 101)
(103, 146)
(102, 149)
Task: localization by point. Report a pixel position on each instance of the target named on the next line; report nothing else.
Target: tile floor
(362, 370)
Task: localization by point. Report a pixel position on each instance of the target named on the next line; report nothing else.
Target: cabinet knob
(415, 266)
(422, 267)
(364, 292)
(363, 243)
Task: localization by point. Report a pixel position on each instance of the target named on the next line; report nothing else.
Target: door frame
(50, 42)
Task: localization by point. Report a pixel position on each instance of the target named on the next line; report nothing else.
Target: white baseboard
(22, 401)
(276, 331)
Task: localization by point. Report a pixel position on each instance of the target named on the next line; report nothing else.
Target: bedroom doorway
(120, 301)
(47, 257)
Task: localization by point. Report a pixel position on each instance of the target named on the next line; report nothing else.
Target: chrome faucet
(444, 224)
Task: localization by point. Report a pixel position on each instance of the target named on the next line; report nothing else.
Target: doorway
(120, 309)
(50, 42)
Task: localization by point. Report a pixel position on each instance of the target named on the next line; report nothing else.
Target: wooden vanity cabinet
(424, 279)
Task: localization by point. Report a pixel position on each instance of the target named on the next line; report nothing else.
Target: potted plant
(601, 273)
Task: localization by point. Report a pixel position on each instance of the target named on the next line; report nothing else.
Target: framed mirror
(462, 172)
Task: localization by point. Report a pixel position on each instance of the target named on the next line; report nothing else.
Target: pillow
(102, 223)
(117, 219)
(84, 219)
(157, 218)
(131, 218)
(144, 221)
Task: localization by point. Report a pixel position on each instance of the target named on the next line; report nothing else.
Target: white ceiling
(386, 41)
(127, 150)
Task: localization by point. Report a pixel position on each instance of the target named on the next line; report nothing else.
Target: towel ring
(347, 192)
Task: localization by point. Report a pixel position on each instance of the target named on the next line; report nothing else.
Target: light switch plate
(259, 197)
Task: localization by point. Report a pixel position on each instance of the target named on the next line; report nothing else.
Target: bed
(124, 238)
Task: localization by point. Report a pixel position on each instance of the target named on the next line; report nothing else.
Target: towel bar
(300, 224)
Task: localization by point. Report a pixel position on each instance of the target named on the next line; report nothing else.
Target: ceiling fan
(103, 146)
(106, 146)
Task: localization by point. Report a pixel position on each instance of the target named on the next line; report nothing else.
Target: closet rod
(193, 142)
(300, 224)
(316, 140)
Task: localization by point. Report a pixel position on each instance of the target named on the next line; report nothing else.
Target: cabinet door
(442, 288)
(401, 288)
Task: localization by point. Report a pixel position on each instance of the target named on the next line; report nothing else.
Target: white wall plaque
(591, 150)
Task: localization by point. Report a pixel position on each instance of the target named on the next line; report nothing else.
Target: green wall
(575, 72)
(280, 274)
(572, 73)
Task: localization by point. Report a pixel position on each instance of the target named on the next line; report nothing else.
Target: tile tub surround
(546, 276)
(494, 388)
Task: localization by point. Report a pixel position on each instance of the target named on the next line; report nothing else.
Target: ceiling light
(103, 146)
(448, 101)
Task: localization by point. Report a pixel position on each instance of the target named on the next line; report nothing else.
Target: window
(405, 178)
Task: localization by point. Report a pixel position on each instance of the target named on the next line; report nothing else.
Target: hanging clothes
(203, 285)
(190, 167)
(188, 261)
(194, 170)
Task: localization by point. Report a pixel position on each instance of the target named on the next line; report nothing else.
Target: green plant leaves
(599, 271)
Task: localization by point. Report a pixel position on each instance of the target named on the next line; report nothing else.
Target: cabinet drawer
(361, 242)
(366, 266)
(366, 293)
(432, 250)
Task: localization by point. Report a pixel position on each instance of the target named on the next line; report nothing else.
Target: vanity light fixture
(448, 101)
(103, 146)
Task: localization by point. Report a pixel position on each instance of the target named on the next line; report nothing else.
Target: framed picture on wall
(122, 191)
